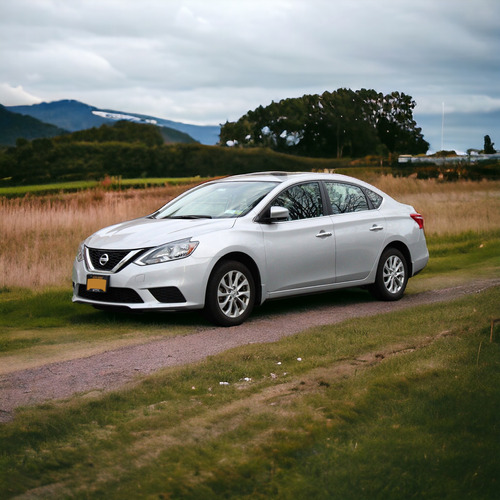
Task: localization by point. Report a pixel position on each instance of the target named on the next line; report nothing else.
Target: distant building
(442, 160)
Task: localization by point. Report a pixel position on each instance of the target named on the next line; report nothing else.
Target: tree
(341, 126)
(333, 124)
(488, 146)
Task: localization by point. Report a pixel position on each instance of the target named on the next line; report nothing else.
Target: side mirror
(278, 214)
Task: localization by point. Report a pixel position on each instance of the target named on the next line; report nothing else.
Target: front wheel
(230, 294)
(392, 276)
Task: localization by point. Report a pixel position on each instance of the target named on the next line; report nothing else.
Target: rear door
(360, 231)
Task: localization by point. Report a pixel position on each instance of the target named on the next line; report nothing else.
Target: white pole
(442, 130)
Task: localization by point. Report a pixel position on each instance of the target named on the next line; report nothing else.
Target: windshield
(221, 200)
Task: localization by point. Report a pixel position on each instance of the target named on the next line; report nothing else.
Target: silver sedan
(231, 244)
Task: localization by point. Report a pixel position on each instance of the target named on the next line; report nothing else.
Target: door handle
(376, 228)
(323, 234)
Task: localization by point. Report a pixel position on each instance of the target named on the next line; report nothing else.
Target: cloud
(206, 62)
(459, 103)
(16, 96)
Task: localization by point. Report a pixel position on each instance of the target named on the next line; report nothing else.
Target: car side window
(303, 201)
(346, 198)
(375, 199)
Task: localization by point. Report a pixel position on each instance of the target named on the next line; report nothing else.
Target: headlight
(81, 252)
(171, 251)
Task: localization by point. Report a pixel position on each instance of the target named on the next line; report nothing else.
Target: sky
(211, 61)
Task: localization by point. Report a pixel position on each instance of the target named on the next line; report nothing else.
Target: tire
(230, 295)
(392, 276)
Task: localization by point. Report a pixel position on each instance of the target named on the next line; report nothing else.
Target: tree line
(343, 123)
(133, 151)
(340, 138)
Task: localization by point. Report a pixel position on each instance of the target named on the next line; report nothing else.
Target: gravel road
(112, 369)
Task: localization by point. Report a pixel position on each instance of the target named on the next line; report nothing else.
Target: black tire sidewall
(212, 309)
(379, 289)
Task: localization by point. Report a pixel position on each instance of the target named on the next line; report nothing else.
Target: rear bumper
(421, 258)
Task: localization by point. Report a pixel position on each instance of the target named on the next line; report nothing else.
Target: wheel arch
(245, 259)
(399, 245)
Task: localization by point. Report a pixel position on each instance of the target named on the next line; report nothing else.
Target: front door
(299, 251)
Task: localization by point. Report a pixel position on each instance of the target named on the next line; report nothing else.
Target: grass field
(401, 405)
(40, 235)
(422, 423)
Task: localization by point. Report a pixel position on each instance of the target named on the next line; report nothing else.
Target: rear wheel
(230, 294)
(392, 276)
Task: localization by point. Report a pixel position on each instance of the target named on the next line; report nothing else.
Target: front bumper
(175, 285)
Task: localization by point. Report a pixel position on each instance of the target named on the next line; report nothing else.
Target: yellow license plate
(97, 283)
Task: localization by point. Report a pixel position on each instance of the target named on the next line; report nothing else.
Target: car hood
(148, 233)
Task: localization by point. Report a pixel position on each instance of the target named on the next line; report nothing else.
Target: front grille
(111, 260)
(118, 295)
(167, 295)
(114, 257)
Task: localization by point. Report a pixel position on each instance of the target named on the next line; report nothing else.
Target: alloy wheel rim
(233, 294)
(394, 274)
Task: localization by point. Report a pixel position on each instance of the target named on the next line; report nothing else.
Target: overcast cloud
(206, 62)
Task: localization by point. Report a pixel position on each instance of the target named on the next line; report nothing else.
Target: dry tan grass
(40, 235)
(448, 208)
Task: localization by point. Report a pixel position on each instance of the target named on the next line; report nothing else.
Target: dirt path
(112, 369)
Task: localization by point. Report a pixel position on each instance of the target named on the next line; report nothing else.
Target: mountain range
(72, 116)
(14, 126)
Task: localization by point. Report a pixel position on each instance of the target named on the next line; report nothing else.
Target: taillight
(418, 219)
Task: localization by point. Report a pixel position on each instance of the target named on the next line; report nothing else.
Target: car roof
(278, 176)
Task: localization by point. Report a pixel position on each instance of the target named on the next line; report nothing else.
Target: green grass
(471, 243)
(114, 183)
(423, 424)
(459, 259)
(52, 308)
